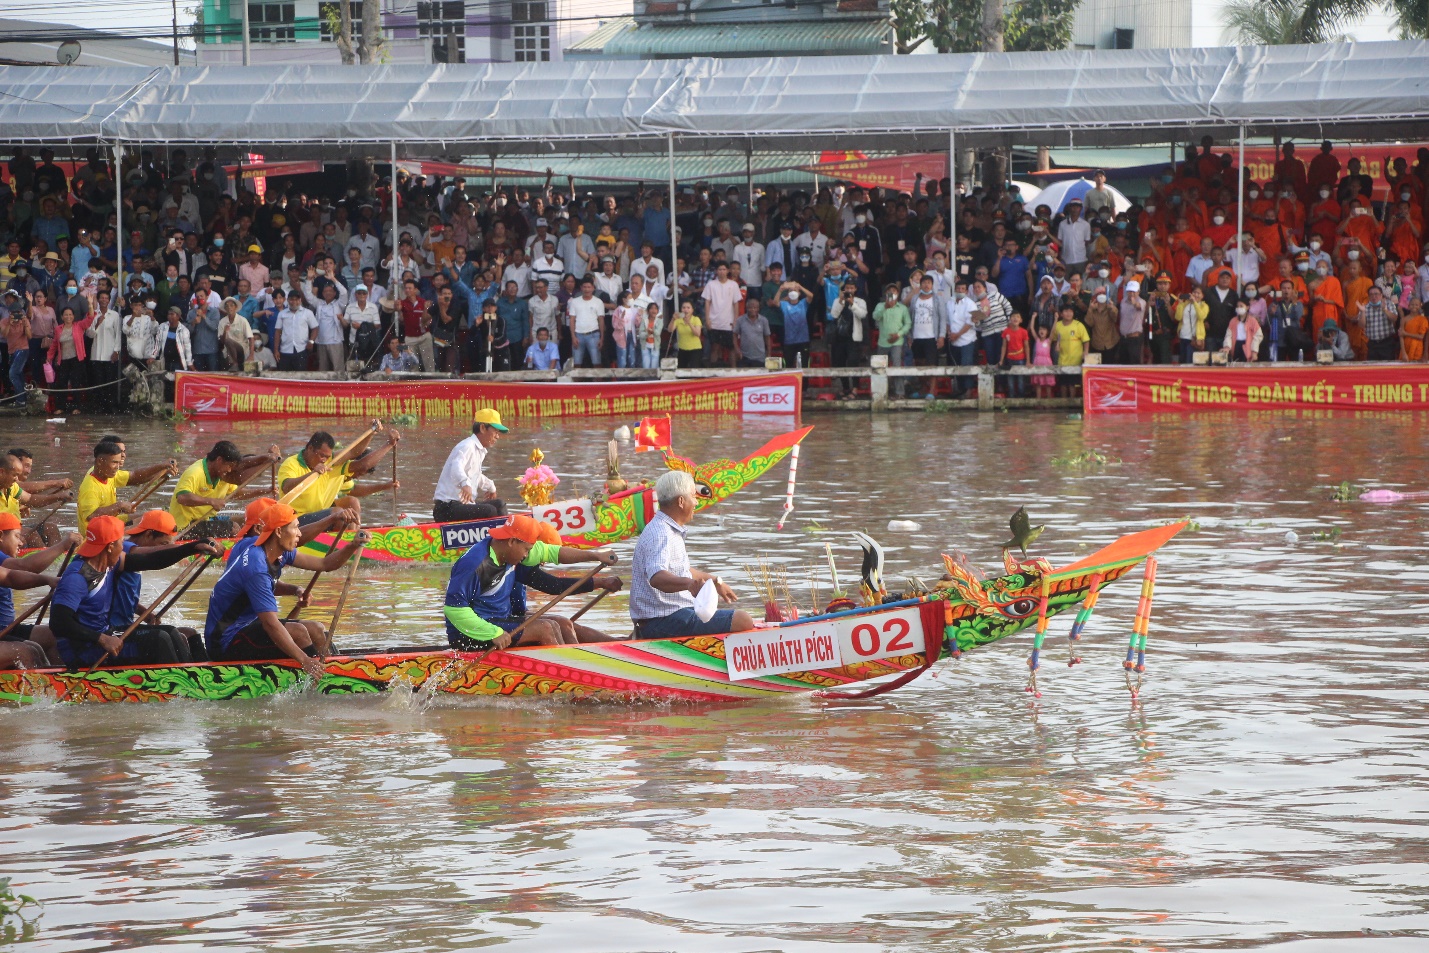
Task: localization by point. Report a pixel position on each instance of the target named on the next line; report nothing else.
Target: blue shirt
(656, 227)
(7, 603)
(796, 321)
(91, 599)
(127, 588)
(541, 360)
(242, 593)
(1012, 279)
(517, 315)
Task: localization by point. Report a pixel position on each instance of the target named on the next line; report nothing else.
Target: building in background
(675, 29)
(1136, 24)
(31, 41)
(417, 31)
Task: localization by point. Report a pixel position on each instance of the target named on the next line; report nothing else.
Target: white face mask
(1322, 272)
(1251, 292)
(1315, 245)
(1254, 193)
(1101, 299)
(1103, 272)
(1150, 210)
(1240, 309)
(1303, 266)
(1324, 193)
(859, 219)
(794, 296)
(1218, 219)
(1354, 254)
(1403, 197)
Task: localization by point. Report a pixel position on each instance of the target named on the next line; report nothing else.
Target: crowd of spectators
(482, 279)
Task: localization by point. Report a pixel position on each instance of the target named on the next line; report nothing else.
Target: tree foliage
(956, 26)
(1412, 17)
(1278, 22)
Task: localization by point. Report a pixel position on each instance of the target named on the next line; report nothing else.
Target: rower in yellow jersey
(98, 494)
(13, 497)
(325, 493)
(207, 485)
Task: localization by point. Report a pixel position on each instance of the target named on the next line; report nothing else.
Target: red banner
(221, 395)
(1113, 389)
(898, 173)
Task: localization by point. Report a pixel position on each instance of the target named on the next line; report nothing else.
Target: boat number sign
(821, 645)
(467, 535)
(570, 518)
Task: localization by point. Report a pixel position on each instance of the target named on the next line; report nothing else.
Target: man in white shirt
(1073, 235)
(1099, 197)
(547, 267)
(544, 308)
(1245, 261)
(330, 311)
(962, 321)
(722, 305)
(519, 271)
(749, 255)
(608, 284)
(294, 330)
(366, 243)
(641, 265)
(816, 241)
(587, 314)
(539, 238)
(463, 491)
(364, 323)
(1197, 267)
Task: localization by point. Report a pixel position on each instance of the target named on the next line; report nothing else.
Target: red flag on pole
(653, 433)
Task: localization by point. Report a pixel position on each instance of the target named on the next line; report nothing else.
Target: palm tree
(1277, 22)
(1412, 17)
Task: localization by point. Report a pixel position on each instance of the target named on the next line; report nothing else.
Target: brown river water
(1267, 793)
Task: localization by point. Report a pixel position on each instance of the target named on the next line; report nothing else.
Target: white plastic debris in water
(55, 420)
(622, 432)
(1291, 538)
(904, 526)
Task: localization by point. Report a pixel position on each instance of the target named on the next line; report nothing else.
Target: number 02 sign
(569, 518)
(881, 635)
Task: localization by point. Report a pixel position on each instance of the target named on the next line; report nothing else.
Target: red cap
(100, 533)
(9, 521)
(519, 527)
(157, 520)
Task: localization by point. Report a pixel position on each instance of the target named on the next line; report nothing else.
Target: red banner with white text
(1113, 389)
(222, 395)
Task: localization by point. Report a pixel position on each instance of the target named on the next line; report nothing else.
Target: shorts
(21, 633)
(463, 644)
(314, 516)
(724, 339)
(683, 622)
(253, 644)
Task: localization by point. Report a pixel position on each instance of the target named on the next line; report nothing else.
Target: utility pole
(176, 32)
(246, 31)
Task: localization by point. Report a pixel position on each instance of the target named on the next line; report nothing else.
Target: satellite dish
(68, 52)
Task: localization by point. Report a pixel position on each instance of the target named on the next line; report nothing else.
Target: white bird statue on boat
(872, 572)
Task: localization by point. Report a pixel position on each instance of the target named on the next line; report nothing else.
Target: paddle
(44, 603)
(396, 513)
(157, 482)
(223, 503)
(460, 671)
(342, 596)
(303, 598)
(46, 517)
(338, 460)
(183, 589)
(273, 480)
(591, 605)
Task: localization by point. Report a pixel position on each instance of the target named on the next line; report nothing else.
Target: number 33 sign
(571, 518)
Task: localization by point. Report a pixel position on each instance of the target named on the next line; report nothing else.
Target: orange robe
(1366, 229)
(1184, 246)
(1326, 227)
(1268, 237)
(1292, 170)
(1332, 307)
(1402, 243)
(1415, 326)
(1324, 170)
(1356, 294)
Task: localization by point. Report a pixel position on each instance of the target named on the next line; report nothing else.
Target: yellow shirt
(94, 493)
(196, 480)
(1071, 342)
(10, 500)
(321, 493)
(685, 337)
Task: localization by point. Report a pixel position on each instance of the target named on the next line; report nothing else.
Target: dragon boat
(824, 655)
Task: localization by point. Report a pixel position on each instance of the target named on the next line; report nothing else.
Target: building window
(440, 19)
(531, 31)
(328, 19)
(271, 23)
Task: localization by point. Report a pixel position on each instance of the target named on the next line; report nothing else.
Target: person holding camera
(845, 331)
(1286, 322)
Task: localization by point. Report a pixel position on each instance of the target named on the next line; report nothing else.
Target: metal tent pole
(246, 32)
(1240, 203)
(393, 276)
(674, 242)
(749, 179)
(120, 284)
(952, 201)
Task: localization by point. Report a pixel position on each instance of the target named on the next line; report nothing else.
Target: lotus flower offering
(539, 482)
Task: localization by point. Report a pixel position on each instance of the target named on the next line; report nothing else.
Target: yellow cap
(489, 416)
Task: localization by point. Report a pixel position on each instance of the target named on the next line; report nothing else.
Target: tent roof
(904, 103)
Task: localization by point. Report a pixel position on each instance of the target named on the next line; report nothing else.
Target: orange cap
(9, 521)
(519, 527)
(275, 516)
(157, 520)
(101, 532)
(253, 515)
(548, 534)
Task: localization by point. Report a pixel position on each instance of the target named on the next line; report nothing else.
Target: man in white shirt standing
(544, 308)
(722, 304)
(749, 255)
(641, 266)
(587, 314)
(463, 491)
(962, 322)
(294, 331)
(1073, 235)
(816, 241)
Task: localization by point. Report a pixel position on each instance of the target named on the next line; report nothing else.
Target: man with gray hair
(662, 583)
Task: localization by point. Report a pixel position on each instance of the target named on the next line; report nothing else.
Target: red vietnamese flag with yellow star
(653, 433)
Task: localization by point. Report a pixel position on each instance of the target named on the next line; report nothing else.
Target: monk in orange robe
(1323, 219)
(1324, 168)
(1403, 233)
(1412, 333)
(1327, 300)
(1183, 245)
(1360, 226)
(1356, 291)
(1292, 170)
